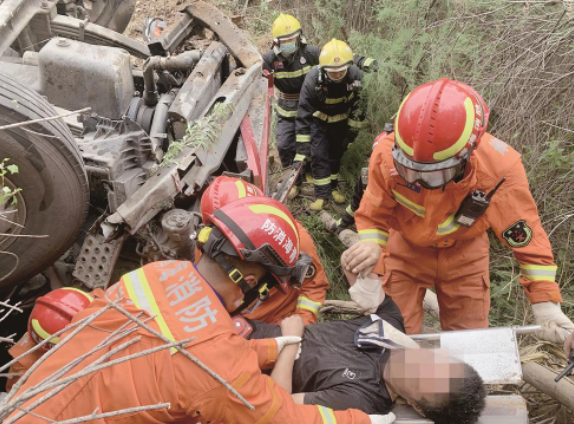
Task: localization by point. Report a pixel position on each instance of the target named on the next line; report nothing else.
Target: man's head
(286, 34)
(335, 59)
(436, 129)
(441, 387)
(249, 239)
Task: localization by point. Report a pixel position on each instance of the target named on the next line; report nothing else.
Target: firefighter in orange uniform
(305, 300)
(436, 185)
(184, 301)
(51, 313)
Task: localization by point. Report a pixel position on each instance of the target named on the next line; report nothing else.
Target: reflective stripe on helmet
(43, 333)
(406, 148)
(83, 293)
(464, 137)
(140, 293)
(304, 302)
(240, 189)
(538, 272)
(258, 209)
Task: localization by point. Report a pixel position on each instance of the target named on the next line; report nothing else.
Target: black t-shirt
(332, 371)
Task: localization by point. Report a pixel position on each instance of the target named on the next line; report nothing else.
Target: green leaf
(6, 190)
(13, 169)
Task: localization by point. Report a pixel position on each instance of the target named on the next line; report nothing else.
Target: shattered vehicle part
(104, 74)
(137, 114)
(229, 34)
(96, 261)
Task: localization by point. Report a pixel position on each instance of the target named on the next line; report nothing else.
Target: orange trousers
(459, 274)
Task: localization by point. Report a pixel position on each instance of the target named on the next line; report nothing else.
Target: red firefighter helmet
(437, 127)
(55, 311)
(224, 190)
(255, 229)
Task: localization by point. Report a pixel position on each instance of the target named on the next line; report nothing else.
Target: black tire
(53, 180)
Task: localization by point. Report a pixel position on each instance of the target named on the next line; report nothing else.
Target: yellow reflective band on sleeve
(350, 211)
(285, 113)
(43, 333)
(447, 227)
(368, 61)
(327, 415)
(322, 181)
(308, 304)
(538, 272)
(356, 124)
(337, 100)
(299, 157)
(465, 136)
(140, 293)
(331, 119)
(404, 146)
(372, 234)
(294, 74)
(416, 209)
(303, 138)
(334, 177)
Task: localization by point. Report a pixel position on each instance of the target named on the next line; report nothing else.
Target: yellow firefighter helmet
(336, 56)
(285, 26)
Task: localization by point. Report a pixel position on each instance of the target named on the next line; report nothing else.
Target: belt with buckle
(289, 96)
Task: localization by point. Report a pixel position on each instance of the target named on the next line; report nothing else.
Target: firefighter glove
(555, 325)
(383, 419)
(368, 293)
(288, 340)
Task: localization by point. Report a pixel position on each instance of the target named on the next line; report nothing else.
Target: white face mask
(287, 49)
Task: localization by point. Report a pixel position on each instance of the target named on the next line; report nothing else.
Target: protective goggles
(428, 175)
(265, 256)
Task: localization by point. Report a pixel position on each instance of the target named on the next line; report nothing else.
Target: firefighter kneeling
(241, 253)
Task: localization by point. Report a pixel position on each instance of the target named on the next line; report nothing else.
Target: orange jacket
(183, 305)
(304, 301)
(21, 366)
(425, 217)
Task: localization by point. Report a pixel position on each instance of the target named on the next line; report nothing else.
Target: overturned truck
(96, 121)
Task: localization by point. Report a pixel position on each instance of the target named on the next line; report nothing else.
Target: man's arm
(283, 371)
(514, 219)
(314, 288)
(372, 218)
(304, 118)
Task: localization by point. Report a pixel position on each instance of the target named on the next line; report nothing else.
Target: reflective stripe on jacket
(426, 217)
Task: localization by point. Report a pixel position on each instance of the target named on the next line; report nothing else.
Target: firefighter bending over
(239, 250)
(436, 185)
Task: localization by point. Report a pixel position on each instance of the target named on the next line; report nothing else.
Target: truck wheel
(53, 201)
